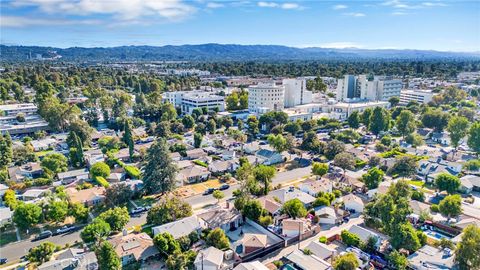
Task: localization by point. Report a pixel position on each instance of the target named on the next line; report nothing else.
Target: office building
(187, 101)
(420, 96)
(14, 109)
(348, 88)
(378, 88)
(296, 92)
(266, 97)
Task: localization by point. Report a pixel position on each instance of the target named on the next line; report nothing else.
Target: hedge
(102, 181)
(200, 163)
(133, 171)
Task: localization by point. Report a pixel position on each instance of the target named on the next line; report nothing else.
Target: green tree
(188, 121)
(5, 150)
(468, 249)
(294, 208)
(166, 244)
(348, 261)
(160, 171)
(179, 260)
(211, 126)
(447, 182)
(107, 258)
(319, 169)
(252, 124)
(333, 148)
(252, 210)
(366, 116)
(197, 140)
(435, 118)
(78, 211)
(10, 199)
(218, 195)
(398, 260)
(373, 177)
(99, 169)
(458, 128)
(116, 217)
(27, 215)
(415, 139)
(264, 174)
(405, 237)
(344, 160)
(278, 142)
(163, 129)
(379, 120)
(394, 101)
(118, 194)
(168, 210)
(404, 166)
(42, 252)
(128, 138)
(354, 119)
(350, 239)
(474, 137)
(218, 239)
(57, 210)
(95, 231)
(292, 127)
(451, 206)
(406, 123)
(55, 162)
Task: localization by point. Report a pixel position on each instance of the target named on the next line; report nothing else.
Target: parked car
(138, 210)
(3, 261)
(224, 187)
(43, 235)
(65, 229)
(209, 191)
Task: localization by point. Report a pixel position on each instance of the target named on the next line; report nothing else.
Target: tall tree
(354, 119)
(345, 161)
(319, 169)
(5, 150)
(278, 142)
(447, 182)
(252, 124)
(160, 172)
(347, 261)
(265, 175)
(451, 206)
(468, 249)
(458, 128)
(406, 123)
(107, 257)
(26, 215)
(379, 120)
(373, 177)
(128, 138)
(474, 137)
(197, 139)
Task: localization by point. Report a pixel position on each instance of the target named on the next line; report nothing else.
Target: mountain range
(218, 52)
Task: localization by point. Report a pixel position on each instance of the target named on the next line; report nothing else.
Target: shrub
(435, 208)
(133, 171)
(200, 163)
(323, 239)
(350, 239)
(102, 181)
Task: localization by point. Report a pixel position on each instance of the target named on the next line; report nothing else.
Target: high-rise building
(266, 97)
(419, 96)
(378, 88)
(296, 92)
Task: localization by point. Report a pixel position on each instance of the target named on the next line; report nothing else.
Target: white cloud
(337, 7)
(267, 4)
(355, 14)
(399, 13)
(282, 6)
(434, 4)
(215, 5)
(405, 5)
(120, 9)
(18, 21)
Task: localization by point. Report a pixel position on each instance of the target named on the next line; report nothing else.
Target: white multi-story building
(347, 108)
(420, 96)
(14, 109)
(379, 88)
(296, 92)
(187, 101)
(266, 97)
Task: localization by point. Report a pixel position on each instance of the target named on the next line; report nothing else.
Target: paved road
(16, 250)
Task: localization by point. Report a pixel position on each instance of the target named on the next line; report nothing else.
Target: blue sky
(431, 24)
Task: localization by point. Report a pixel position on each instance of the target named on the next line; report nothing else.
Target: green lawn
(416, 183)
(7, 237)
(145, 201)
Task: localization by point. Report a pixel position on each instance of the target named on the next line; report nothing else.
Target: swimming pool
(436, 235)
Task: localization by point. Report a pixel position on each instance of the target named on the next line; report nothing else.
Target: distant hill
(216, 52)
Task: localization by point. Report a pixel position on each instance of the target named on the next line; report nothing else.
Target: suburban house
(227, 218)
(307, 262)
(93, 156)
(181, 227)
(72, 258)
(255, 265)
(252, 242)
(195, 153)
(193, 174)
(222, 166)
(43, 144)
(469, 183)
(441, 137)
(363, 233)
(270, 157)
(73, 176)
(134, 247)
(321, 250)
(327, 215)
(429, 169)
(429, 257)
(313, 186)
(89, 197)
(30, 170)
(33, 194)
(352, 202)
(292, 227)
(5, 216)
(290, 193)
(268, 203)
(210, 258)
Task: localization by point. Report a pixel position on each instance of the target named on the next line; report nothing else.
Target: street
(15, 251)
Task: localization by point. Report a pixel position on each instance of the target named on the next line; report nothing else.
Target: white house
(269, 157)
(181, 227)
(321, 250)
(209, 259)
(327, 215)
(353, 202)
(5, 216)
(313, 187)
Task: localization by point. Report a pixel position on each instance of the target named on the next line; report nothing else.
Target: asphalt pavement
(15, 251)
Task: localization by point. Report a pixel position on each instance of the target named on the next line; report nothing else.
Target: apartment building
(296, 92)
(420, 96)
(378, 88)
(266, 97)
